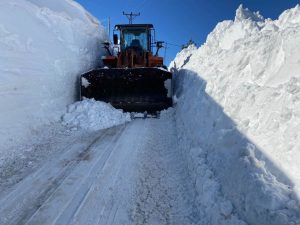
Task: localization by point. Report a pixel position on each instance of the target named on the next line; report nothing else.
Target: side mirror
(159, 44)
(106, 45)
(115, 39)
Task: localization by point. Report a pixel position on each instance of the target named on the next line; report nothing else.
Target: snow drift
(93, 115)
(45, 45)
(238, 104)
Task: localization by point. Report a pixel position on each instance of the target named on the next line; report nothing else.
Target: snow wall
(238, 119)
(44, 47)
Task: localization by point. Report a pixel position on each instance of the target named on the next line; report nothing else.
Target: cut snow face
(41, 58)
(93, 115)
(238, 116)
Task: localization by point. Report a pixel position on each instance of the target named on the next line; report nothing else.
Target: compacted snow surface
(227, 153)
(129, 174)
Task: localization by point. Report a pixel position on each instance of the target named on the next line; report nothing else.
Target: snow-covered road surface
(128, 174)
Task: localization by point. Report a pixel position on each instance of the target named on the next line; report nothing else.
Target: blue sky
(177, 21)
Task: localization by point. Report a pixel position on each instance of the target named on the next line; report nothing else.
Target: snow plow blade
(133, 90)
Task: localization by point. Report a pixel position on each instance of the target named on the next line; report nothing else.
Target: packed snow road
(128, 174)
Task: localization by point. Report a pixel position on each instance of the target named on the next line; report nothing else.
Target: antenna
(109, 27)
(131, 16)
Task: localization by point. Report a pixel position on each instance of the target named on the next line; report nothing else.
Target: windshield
(135, 38)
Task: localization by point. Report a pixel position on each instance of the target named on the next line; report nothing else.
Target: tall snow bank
(93, 115)
(238, 104)
(44, 46)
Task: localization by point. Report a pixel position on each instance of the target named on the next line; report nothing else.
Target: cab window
(135, 38)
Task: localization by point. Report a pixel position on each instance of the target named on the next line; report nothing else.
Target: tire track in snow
(69, 196)
(163, 194)
(30, 194)
(111, 196)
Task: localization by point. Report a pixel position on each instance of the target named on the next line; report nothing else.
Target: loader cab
(133, 47)
(134, 36)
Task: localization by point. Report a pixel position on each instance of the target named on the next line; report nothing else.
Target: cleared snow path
(163, 194)
(129, 174)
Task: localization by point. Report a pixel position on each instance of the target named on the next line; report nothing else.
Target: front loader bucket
(133, 90)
